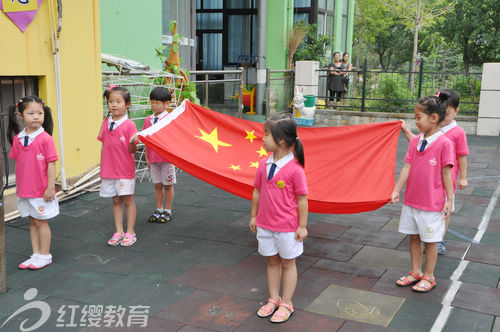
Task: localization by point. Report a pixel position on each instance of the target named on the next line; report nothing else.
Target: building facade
(27, 67)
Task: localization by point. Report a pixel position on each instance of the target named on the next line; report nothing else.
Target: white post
(488, 120)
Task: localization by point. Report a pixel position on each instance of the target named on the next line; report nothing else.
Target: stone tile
(472, 211)
(458, 233)
(491, 238)
(78, 208)
(466, 320)
(187, 328)
(13, 300)
(482, 253)
(373, 238)
(353, 326)
(382, 258)
(359, 305)
(391, 226)
(454, 249)
(494, 225)
(220, 312)
(464, 221)
(330, 249)
(477, 165)
(416, 316)
(246, 239)
(301, 320)
(387, 285)
(152, 324)
(485, 192)
(473, 200)
(387, 211)
(338, 278)
(20, 279)
(30, 317)
(496, 326)
(348, 268)
(242, 221)
(361, 219)
(478, 298)
(131, 291)
(326, 231)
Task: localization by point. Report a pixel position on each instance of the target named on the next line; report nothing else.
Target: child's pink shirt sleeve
(447, 154)
(14, 149)
(99, 136)
(300, 182)
(50, 150)
(462, 148)
(257, 182)
(411, 150)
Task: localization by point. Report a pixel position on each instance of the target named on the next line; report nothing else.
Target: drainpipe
(57, 72)
(261, 55)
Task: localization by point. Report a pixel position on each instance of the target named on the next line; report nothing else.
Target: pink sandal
(407, 282)
(115, 239)
(426, 286)
(267, 308)
(128, 240)
(281, 315)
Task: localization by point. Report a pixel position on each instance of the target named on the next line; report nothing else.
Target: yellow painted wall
(30, 54)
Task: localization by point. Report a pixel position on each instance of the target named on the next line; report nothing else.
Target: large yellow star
(235, 167)
(254, 164)
(212, 138)
(262, 152)
(250, 135)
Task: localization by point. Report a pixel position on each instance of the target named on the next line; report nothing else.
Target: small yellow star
(254, 164)
(250, 135)
(235, 168)
(262, 152)
(212, 138)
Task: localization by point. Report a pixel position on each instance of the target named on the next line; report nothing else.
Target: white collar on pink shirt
(449, 126)
(429, 139)
(161, 116)
(280, 163)
(117, 123)
(31, 136)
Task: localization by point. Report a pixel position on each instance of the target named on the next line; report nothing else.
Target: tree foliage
(313, 47)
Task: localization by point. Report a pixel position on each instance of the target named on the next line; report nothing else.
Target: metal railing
(390, 91)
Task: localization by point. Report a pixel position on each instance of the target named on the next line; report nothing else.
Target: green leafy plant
(313, 47)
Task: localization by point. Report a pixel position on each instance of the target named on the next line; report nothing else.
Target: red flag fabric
(349, 169)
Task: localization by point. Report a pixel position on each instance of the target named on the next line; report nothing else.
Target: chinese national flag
(348, 169)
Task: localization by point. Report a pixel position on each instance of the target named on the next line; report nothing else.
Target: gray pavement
(202, 271)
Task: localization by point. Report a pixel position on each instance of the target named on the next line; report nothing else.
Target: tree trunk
(443, 69)
(467, 74)
(415, 47)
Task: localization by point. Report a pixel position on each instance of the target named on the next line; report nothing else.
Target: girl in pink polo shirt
(457, 135)
(429, 191)
(35, 153)
(118, 165)
(279, 213)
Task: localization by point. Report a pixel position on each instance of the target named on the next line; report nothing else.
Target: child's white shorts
(283, 243)
(37, 208)
(163, 172)
(430, 225)
(116, 187)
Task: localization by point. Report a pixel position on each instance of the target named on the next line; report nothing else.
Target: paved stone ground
(202, 272)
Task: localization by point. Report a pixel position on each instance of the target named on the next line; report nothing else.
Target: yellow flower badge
(280, 184)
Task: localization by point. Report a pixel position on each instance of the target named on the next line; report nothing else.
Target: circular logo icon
(280, 184)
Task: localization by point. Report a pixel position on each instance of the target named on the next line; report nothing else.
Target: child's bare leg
(416, 254)
(273, 283)
(159, 196)
(289, 279)
(129, 202)
(45, 235)
(430, 258)
(34, 236)
(447, 222)
(274, 276)
(169, 197)
(118, 213)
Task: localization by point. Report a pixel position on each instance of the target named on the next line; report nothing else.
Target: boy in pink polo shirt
(35, 153)
(162, 172)
(429, 191)
(279, 213)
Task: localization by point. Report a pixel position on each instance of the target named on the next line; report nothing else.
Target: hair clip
(437, 94)
(297, 138)
(111, 86)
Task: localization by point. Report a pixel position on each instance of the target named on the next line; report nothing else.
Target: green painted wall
(279, 22)
(132, 29)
